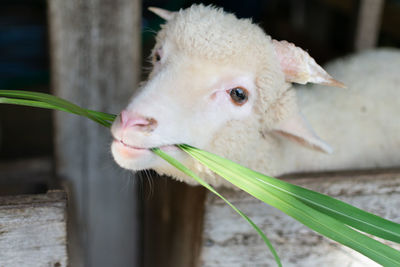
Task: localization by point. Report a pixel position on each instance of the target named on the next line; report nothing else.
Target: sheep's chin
(136, 158)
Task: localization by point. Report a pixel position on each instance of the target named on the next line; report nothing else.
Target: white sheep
(221, 84)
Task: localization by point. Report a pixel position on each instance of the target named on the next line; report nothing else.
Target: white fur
(361, 123)
(205, 52)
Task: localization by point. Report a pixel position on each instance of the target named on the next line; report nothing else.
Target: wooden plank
(33, 230)
(230, 241)
(95, 58)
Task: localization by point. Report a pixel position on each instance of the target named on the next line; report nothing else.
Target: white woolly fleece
(361, 123)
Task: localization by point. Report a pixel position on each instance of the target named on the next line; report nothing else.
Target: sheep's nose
(129, 120)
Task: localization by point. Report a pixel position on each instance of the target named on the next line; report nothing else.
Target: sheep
(221, 84)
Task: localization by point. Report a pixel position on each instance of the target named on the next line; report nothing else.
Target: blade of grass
(190, 173)
(278, 190)
(348, 214)
(52, 100)
(99, 117)
(102, 115)
(43, 102)
(312, 218)
(29, 103)
(39, 104)
(40, 97)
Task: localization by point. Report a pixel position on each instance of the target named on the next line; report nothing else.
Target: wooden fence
(33, 230)
(227, 241)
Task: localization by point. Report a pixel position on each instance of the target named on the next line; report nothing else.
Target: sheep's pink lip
(129, 146)
(164, 147)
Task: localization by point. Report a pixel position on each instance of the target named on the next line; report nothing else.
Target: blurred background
(325, 28)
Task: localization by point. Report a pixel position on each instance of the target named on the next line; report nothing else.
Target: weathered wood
(368, 24)
(33, 230)
(95, 60)
(230, 241)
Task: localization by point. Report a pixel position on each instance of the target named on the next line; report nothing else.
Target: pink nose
(141, 123)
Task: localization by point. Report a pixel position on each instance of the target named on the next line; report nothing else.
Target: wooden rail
(33, 230)
(229, 241)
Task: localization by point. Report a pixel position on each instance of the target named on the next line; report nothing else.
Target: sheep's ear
(165, 14)
(299, 67)
(297, 129)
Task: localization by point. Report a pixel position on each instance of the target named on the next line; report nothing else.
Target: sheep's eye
(157, 57)
(239, 95)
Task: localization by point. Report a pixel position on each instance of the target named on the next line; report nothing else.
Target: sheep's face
(210, 71)
(186, 101)
(197, 85)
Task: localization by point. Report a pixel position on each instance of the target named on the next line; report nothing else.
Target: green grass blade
(47, 98)
(102, 115)
(348, 214)
(321, 213)
(39, 104)
(314, 219)
(53, 100)
(190, 173)
(42, 100)
(29, 103)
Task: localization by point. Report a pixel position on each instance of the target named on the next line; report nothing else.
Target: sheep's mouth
(164, 147)
(128, 147)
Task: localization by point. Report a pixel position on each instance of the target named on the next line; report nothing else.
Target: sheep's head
(211, 73)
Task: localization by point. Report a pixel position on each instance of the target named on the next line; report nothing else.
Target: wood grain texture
(230, 241)
(95, 63)
(33, 230)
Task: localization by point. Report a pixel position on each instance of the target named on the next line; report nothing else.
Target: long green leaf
(29, 103)
(49, 101)
(348, 214)
(311, 208)
(190, 173)
(249, 181)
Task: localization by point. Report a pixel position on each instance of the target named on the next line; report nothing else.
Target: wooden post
(33, 230)
(95, 60)
(368, 24)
